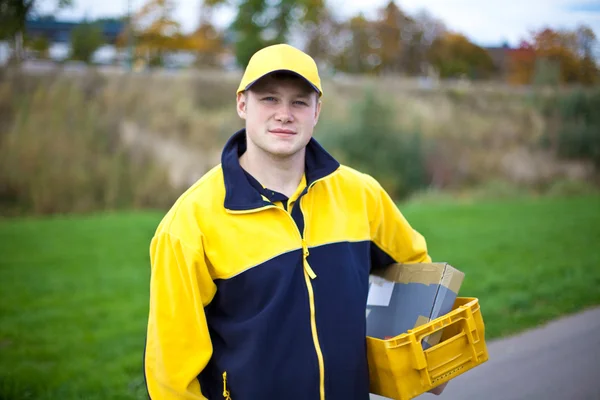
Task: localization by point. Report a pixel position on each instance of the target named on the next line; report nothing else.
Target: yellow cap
(281, 57)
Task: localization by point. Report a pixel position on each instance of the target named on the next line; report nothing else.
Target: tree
(206, 41)
(86, 38)
(454, 56)
(259, 23)
(40, 45)
(586, 44)
(361, 54)
(248, 27)
(323, 33)
(431, 27)
(391, 31)
(560, 48)
(565, 56)
(155, 31)
(521, 64)
(553, 57)
(426, 29)
(13, 14)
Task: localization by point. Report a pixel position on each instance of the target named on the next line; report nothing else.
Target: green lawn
(74, 290)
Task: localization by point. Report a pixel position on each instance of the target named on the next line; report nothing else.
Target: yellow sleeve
(178, 345)
(394, 237)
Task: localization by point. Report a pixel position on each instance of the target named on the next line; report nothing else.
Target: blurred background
(481, 120)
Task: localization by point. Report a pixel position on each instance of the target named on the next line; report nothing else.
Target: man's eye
(269, 98)
(301, 103)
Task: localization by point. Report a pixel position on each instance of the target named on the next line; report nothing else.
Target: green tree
(13, 14)
(39, 44)
(259, 23)
(86, 38)
(247, 29)
(454, 56)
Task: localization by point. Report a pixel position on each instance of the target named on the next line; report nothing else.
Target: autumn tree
(155, 31)
(205, 41)
(521, 64)
(391, 29)
(361, 53)
(560, 48)
(392, 43)
(556, 56)
(323, 33)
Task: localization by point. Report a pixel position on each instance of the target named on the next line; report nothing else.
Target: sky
(487, 23)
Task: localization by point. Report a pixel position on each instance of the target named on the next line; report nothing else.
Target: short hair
(288, 76)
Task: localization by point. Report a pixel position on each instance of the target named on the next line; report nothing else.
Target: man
(260, 270)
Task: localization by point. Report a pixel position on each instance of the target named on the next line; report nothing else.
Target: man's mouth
(282, 131)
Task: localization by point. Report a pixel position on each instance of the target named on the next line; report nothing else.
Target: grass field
(74, 289)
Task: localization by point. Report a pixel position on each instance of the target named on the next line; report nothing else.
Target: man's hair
(289, 76)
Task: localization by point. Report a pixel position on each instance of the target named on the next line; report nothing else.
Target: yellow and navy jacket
(255, 296)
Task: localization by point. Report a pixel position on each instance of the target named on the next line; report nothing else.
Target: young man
(260, 271)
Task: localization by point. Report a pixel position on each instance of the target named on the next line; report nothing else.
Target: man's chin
(283, 152)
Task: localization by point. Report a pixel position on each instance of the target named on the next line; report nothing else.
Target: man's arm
(394, 239)
(178, 345)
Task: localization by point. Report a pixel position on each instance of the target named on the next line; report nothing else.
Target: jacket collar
(239, 193)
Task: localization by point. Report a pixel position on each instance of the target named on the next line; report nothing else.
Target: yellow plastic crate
(400, 369)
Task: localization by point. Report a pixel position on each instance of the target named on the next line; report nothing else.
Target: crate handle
(466, 330)
(463, 314)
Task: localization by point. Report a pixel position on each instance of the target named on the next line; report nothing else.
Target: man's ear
(242, 104)
(317, 112)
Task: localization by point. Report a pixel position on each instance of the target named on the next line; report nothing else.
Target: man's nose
(284, 114)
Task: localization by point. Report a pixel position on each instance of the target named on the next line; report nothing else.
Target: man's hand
(438, 389)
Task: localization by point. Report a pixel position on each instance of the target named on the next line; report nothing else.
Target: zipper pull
(226, 395)
(307, 267)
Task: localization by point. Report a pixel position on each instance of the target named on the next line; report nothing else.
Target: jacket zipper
(226, 395)
(309, 274)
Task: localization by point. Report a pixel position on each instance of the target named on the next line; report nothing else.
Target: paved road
(558, 361)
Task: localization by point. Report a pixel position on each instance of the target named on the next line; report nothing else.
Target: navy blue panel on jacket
(262, 352)
(341, 316)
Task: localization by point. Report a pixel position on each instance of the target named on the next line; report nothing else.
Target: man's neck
(282, 175)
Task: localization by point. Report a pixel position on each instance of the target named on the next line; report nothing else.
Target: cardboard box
(404, 296)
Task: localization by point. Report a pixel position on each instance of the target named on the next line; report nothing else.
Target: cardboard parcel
(404, 296)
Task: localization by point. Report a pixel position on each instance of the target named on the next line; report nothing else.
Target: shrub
(372, 143)
(574, 128)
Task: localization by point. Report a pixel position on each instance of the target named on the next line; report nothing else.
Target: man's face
(280, 115)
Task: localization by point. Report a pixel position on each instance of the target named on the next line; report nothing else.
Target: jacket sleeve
(393, 238)
(178, 344)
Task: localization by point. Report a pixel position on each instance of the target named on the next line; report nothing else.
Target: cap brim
(284, 70)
